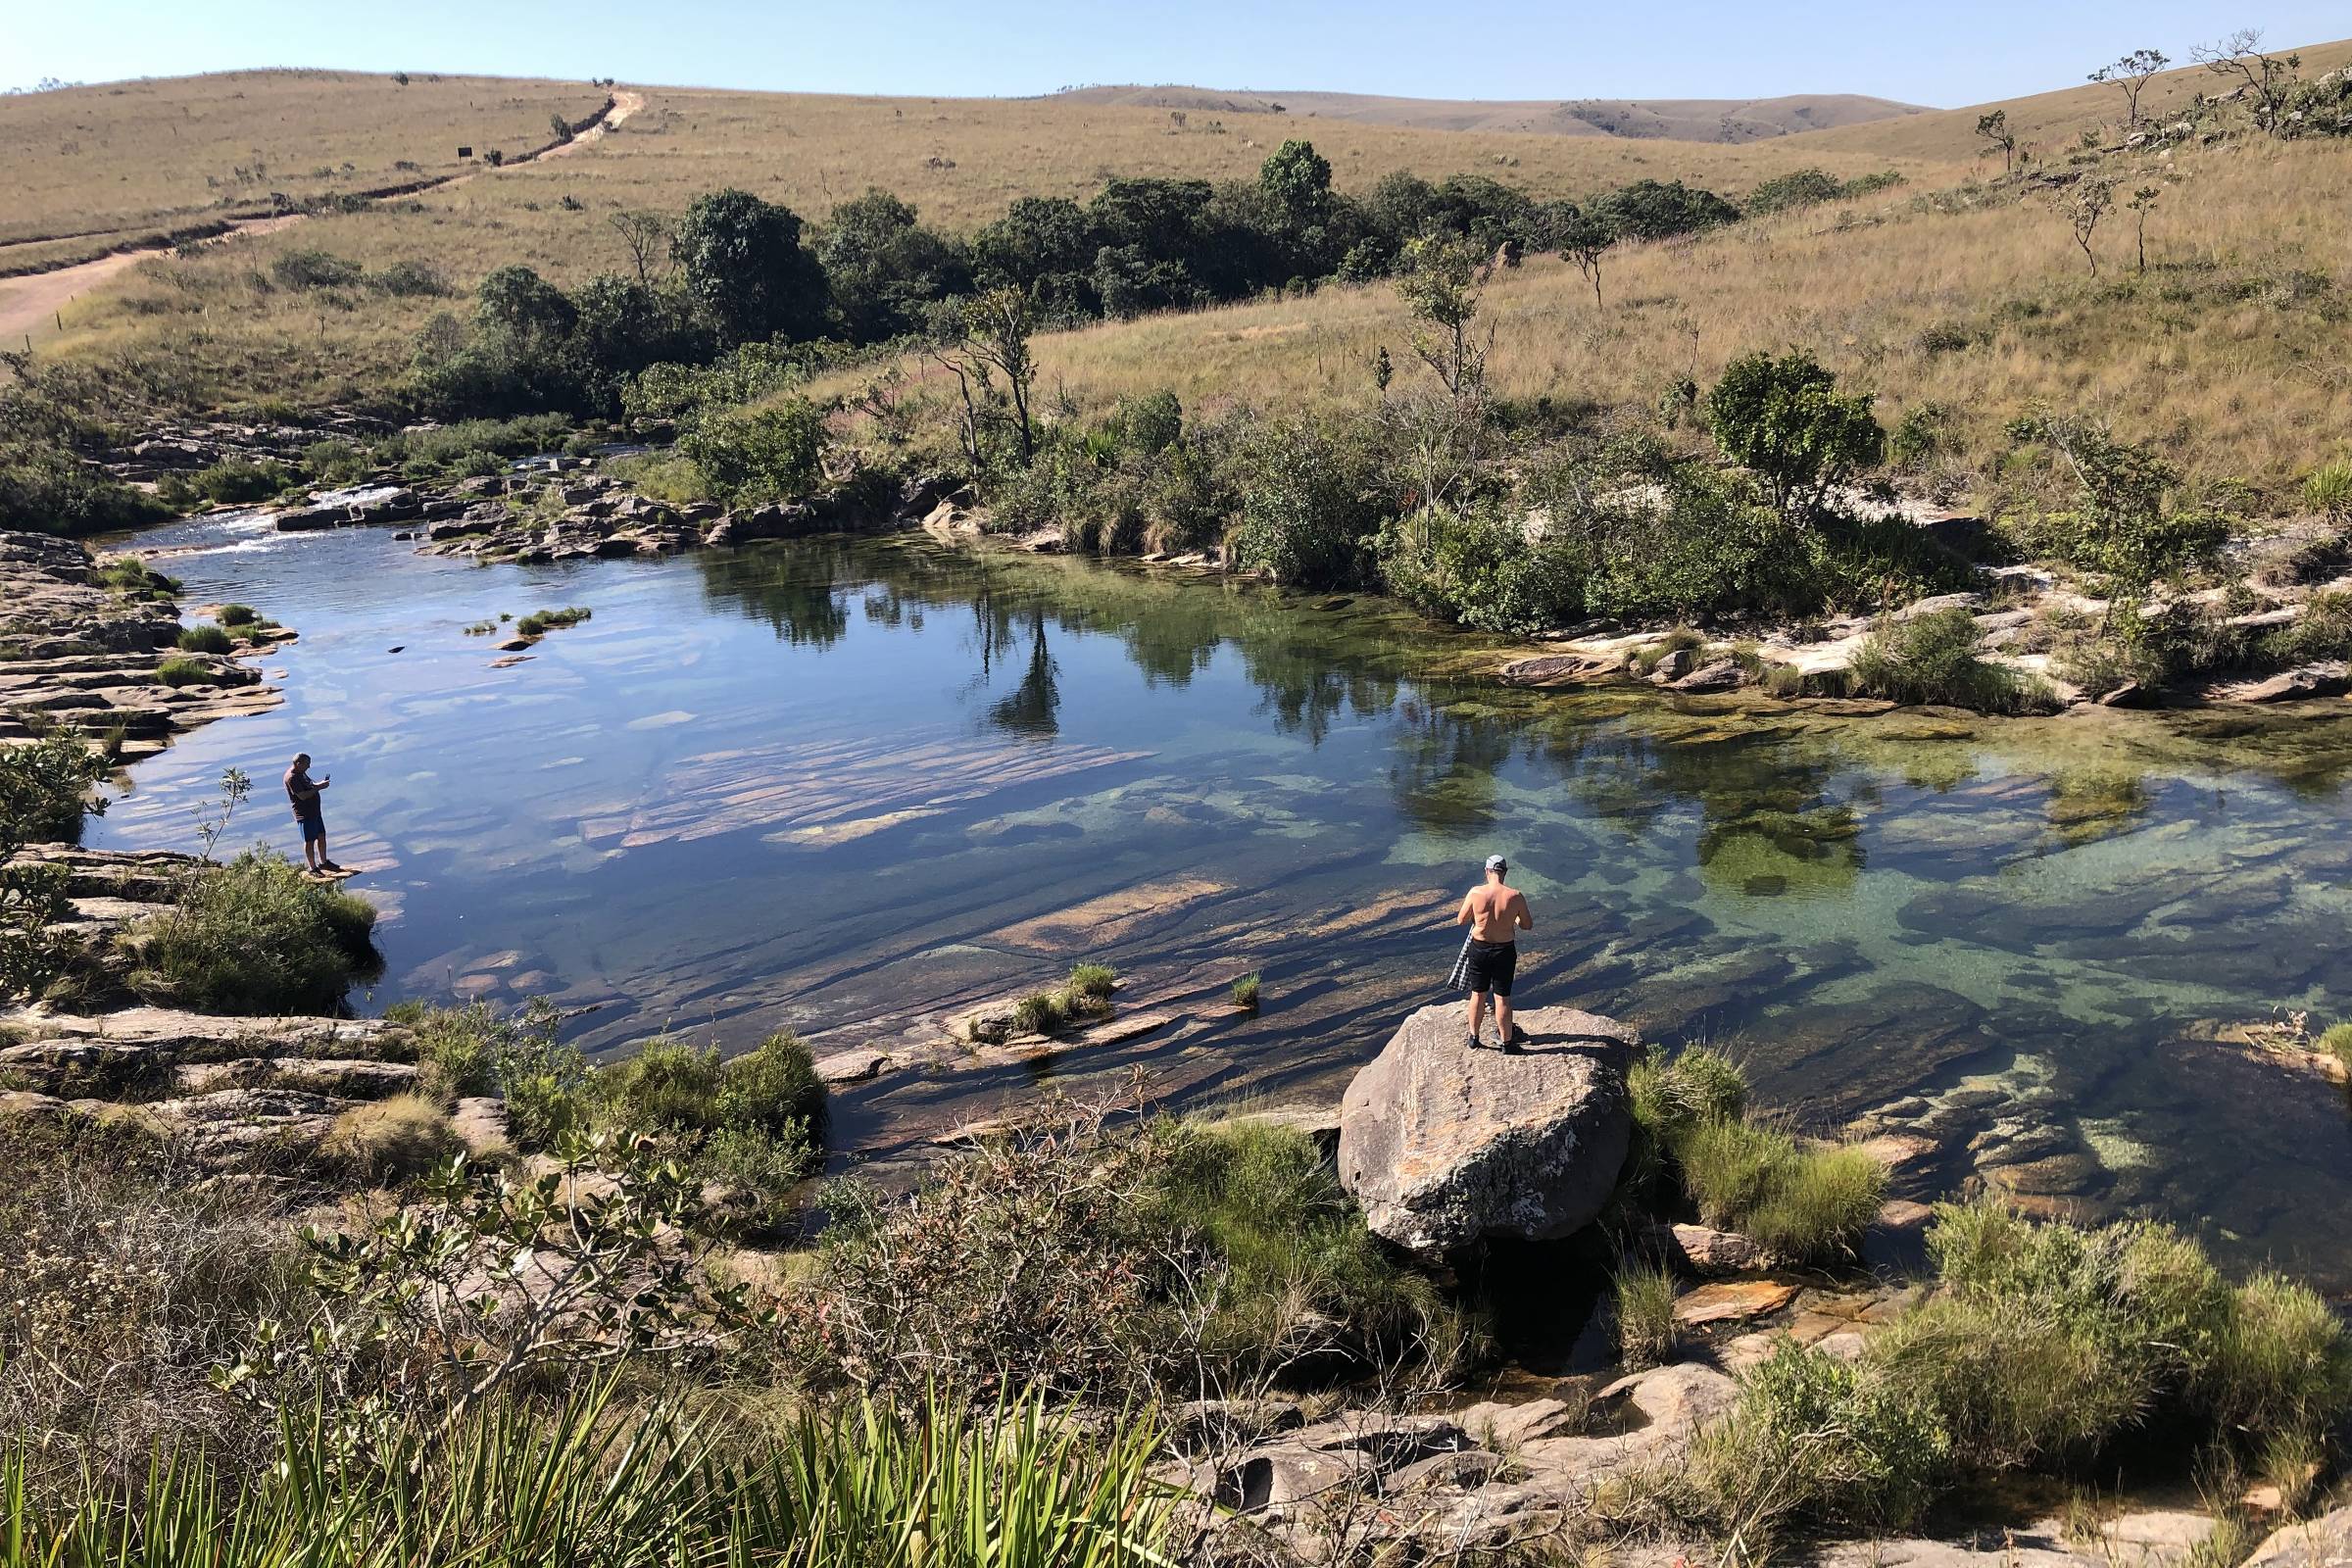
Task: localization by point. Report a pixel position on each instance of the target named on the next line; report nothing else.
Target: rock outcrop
(2321, 1543)
(1447, 1143)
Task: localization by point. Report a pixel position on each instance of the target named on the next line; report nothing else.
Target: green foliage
(2327, 490)
(1479, 568)
(539, 622)
(882, 268)
(747, 456)
(1784, 421)
(45, 489)
(1152, 424)
(1799, 187)
(204, 640)
(2130, 523)
(1815, 1442)
(2337, 1043)
(1647, 1333)
(254, 937)
(1649, 210)
(1933, 658)
(475, 446)
(592, 1483)
(741, 259)
(239, 481)
(1246, 991)
(46, 788)
(178, 672)
(237, 615)
(311, 269)
(1308, 503)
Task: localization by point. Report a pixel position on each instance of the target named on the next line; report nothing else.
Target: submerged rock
(1445, 1143)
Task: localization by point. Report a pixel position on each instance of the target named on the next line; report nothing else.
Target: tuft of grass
(540, 622)
(2327, 489)
(390, 1142)
(1803, 1204)
(205, 640)
(1646, 1328)
(2337, 1040)
(1094, 981)
(237, 615)
(178, 672)
(1245, 993)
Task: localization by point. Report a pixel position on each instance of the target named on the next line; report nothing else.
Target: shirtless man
(301, 791)
(1495, 914)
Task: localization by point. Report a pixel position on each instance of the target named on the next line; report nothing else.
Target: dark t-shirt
(303, 792)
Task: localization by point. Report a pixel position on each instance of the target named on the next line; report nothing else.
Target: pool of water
(849, 787)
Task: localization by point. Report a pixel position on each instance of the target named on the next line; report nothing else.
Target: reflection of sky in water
(843, 787)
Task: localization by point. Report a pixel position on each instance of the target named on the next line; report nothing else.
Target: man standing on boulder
(302, 791)
(1495, 914)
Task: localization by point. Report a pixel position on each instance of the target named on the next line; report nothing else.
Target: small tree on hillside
(2093, 197)
(2143, 203)
(1994, 129)
(2131, 74)
(2265, 79)
(1585, 238)
(1784, 421)
(993, 340)
(647, 236)
(1441, 283)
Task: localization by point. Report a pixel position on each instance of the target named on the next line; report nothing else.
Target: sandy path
(29, 305)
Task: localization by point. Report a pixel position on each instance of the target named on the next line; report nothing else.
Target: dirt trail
(29, 304)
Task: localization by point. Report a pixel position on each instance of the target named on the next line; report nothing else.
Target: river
(849, 785)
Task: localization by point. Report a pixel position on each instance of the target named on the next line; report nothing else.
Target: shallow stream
(847, 787)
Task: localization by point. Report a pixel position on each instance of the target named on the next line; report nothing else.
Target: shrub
(667, 1086)
(204, 640)
(1818, 1204)
(1799, 187)
(2283, 1366)
(254, 937)
(178, 672)
(411, 279)
(1784, 421)
(1727, 1166)
(1816, 1442)
(1092, 980)
(46, 489)
(236, 616)
(1245, 993)
(2327, 490)
(1645, 1325)
(310, 269)
(1308, 503)
(391, 1141)
(1933, 658)
(539, 622)
(2337, 1043)
(748, 456)
(237, 482)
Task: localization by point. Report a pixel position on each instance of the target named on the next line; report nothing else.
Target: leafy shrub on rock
(1786, 422)
(1933, 658)
(771, 453)
(254, 937)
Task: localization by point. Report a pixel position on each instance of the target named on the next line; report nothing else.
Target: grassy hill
(90, 166)
(1943, 295)
(1703, 120)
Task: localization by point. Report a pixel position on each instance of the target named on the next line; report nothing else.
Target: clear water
(849, 787)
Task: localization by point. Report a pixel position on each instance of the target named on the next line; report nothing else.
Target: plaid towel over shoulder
(1459, 979)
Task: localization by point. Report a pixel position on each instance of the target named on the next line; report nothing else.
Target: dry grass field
(2233, 348)
(99, 163)
(1711, 120)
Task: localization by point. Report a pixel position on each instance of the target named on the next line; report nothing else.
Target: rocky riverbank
(86, 644)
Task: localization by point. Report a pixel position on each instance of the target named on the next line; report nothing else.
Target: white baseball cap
(1494, 862)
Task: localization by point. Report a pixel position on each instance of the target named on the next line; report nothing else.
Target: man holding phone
(302, 792)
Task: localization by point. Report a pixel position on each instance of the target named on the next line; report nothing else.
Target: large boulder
(2321, 1543)
(1447, 1143)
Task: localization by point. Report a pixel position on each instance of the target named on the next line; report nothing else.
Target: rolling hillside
(1701, 120)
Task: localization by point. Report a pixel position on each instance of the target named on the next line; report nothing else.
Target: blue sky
(1934, 54)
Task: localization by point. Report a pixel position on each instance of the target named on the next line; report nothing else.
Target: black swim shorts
(1492, 966)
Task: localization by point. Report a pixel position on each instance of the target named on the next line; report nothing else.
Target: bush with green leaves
(1783, 419)
(254, 937)
(47, 489)
(240, 481)
(1310, 501)
(47, 787)
(2130, 521)
(771, 453)
(1799, 187)
(1933, 658)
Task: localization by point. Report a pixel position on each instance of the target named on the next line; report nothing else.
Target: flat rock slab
(852, 1066)
(1733, 1301)
(2321, 1543)
(1445, 1143)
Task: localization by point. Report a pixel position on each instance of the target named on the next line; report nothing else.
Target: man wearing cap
(302, 791)
(1495, 914)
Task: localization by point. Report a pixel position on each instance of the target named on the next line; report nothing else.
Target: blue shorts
(313, 827)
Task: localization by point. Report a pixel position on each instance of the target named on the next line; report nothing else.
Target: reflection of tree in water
(1030, 708)
(802, 593)
(1769, 822)
(1443, 776)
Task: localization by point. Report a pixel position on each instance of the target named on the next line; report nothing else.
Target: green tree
(742, 262)
(1784, 421)
(881, 265)
(45, 789)
(992, 345)
(1298, 179)
(1584, 237)
(1440, 284)
(2266, 81)
(2132, 75)
(1994, 129)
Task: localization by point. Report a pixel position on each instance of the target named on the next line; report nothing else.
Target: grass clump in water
(253, 938)
(1933, 658)
(539, 622)
(1085, 994)
(237, 615)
